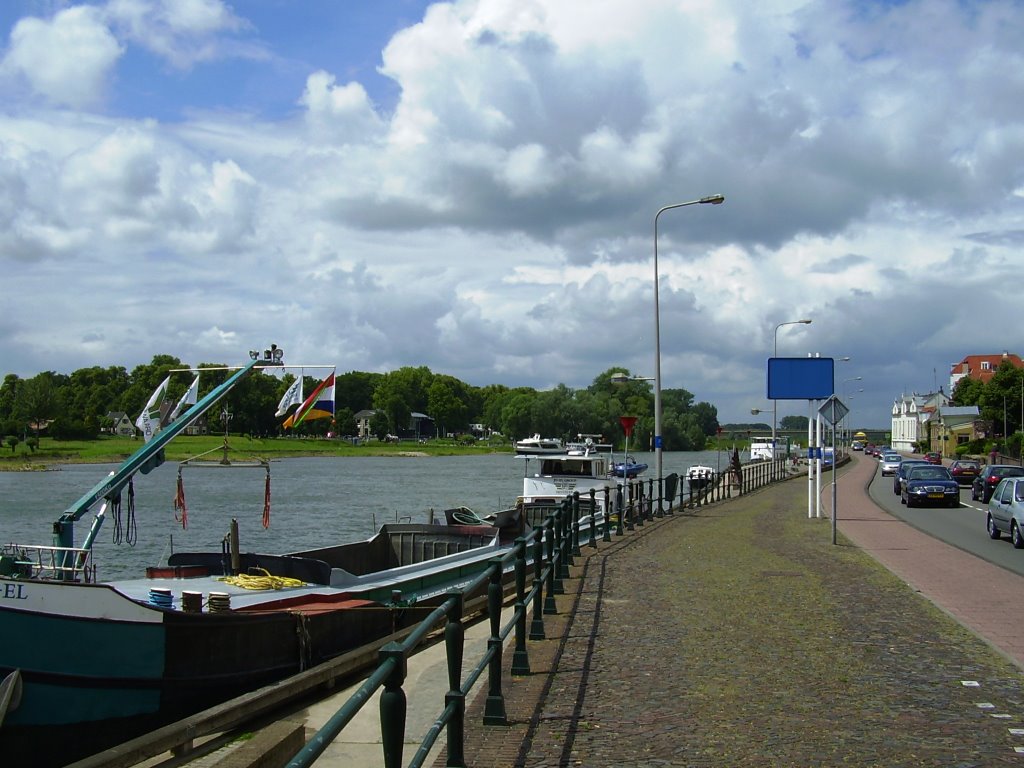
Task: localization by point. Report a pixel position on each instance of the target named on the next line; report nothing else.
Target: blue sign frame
(801, 378)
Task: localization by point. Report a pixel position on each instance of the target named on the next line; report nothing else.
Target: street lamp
(775, 353)
(709, 200)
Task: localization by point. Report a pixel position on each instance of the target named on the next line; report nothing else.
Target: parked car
(986, 482)
(901, 472)
(965, 470)
(890, 463)
(1006, 511)
(933, 457)
(927, 484)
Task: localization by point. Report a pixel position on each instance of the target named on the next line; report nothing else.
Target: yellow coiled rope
(262, 580)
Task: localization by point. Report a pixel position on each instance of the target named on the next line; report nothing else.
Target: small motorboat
(699, 477)
(628, 468)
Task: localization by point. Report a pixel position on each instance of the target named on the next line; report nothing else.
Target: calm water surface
(314, 501)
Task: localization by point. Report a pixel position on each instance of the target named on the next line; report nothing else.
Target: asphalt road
(963, 527)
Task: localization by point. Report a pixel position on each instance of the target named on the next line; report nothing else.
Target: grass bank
(109, 449)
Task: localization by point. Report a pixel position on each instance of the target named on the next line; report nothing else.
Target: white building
(910, 414)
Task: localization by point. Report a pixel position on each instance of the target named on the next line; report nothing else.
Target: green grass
(115, 449)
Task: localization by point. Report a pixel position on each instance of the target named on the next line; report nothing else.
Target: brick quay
(737, 634)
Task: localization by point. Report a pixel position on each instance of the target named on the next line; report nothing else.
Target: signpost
(804, 378)
(833, 411)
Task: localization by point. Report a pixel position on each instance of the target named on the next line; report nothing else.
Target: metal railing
(31, 561)
(547, 551)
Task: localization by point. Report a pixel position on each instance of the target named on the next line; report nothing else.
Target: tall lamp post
(709, 200)
(775, 353)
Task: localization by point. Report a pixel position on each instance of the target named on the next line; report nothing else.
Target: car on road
(901, 472)
(965, 470)
(857, 445)
(929, 484)
(988, 479)
(1006, 511)
(890, 463)
(933, 457)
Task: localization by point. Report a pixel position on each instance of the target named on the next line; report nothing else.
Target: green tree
(446, 404)
(39, 400)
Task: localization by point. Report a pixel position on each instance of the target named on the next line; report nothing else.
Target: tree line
(77, 405)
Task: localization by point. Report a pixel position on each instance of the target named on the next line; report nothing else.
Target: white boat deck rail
(45, 562)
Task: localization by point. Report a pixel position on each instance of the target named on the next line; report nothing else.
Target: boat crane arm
(151, 455)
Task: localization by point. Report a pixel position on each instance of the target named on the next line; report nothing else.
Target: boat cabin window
(565, 467)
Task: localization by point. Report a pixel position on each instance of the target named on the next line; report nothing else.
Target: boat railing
(34, 561)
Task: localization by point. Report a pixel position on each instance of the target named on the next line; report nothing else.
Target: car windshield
(967, 464)
(929, 473)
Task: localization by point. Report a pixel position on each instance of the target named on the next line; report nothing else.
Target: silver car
(890, 463)
(1006, 511)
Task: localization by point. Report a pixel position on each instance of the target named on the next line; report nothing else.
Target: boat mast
(151, 455)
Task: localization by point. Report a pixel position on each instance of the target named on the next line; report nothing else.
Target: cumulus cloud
(66, 60)
(511, 185)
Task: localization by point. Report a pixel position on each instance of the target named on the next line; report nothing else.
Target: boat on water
(558, 476)
(699, 477)
(98, 662)
(591, 443)
(628, 468)
(538, 446)
(762, 449)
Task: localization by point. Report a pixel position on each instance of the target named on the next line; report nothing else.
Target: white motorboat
(539, 446)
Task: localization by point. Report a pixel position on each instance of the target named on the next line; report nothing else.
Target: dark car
(965, 470)
(901, 472)
(986, 482)
(928, 484)
(933, 457)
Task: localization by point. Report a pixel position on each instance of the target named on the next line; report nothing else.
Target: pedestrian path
(739, 635)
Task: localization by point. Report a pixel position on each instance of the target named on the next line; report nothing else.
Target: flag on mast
(292, 396)
(145, 421)
(319, 405)
(189, 398)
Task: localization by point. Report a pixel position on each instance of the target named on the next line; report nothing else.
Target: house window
(986, 365)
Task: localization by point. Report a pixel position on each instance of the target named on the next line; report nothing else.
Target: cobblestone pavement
(738, 635)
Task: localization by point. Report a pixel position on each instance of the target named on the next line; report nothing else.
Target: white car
(890, 463)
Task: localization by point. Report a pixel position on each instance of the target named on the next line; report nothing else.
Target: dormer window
(986, 365)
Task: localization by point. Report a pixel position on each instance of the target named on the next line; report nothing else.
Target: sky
(473, 186)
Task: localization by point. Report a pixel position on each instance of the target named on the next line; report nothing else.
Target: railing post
(620, 502)
(627, 496)
(661, 497)
(520, 658)
(494, 707)
(555, 586)
(576, 524)
(537, 625)
(565, 541)
(455, 643)
(593, 518)
(606, 534)
(393, 706)
(636, 497)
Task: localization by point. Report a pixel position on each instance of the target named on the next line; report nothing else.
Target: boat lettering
(566, 484)
(15, 592)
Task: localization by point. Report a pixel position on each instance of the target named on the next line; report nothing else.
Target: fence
(547, 551)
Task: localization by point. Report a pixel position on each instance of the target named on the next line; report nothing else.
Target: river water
(314, 502)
